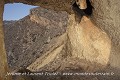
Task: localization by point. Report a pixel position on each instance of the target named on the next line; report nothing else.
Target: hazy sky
(16, 11)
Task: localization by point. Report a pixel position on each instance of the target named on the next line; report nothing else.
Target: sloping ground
(30, 37)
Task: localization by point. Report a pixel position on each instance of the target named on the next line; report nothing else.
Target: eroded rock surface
(89, 43)
(40, 42)
(107, 16)
(3, 56)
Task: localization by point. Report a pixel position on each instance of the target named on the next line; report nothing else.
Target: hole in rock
(89, 8)
(15, 30)
(77, 10)
(81, 12)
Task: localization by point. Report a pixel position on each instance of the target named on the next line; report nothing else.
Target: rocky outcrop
(92, 45)
(39, 41)
(29, 38)
(71, 52)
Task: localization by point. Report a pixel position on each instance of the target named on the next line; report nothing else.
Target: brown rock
(88, 42)
(3, 57)
(29, 38)
(106, 16)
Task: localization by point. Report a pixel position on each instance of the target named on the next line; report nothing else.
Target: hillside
(28, 38)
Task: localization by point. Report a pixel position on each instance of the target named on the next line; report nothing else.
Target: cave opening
(89, 8)
(16, 11)
(81, 12)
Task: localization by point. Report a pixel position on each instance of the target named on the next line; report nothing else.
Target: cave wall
(89, 44)
(3, 58)
(57, 5)
(106, 14)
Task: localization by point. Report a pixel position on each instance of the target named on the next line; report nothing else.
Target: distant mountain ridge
(9, 21)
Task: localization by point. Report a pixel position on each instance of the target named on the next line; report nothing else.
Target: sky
(16, 11)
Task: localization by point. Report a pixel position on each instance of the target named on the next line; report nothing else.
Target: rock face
(57, 5)
(71, 49)
(28, 38)
(3, 56)
(92, 45)
(107, 16)
(40, 42)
